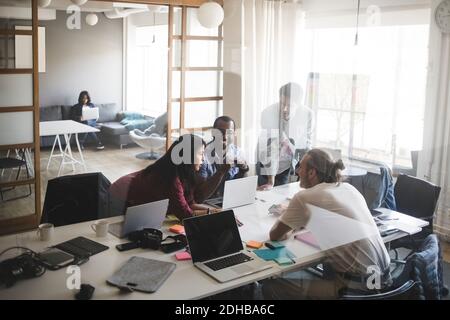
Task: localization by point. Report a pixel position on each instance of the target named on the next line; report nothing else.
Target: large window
(368, 97)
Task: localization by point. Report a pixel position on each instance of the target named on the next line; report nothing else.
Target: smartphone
(127, 246)
(54, 258)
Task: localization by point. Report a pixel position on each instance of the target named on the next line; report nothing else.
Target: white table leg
(80, 151)
(53, 148)
(69, 148)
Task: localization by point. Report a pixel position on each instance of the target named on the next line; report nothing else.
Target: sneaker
(100, 146)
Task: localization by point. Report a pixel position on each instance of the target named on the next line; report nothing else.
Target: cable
(23, 248)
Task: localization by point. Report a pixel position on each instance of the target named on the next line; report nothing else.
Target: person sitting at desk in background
(321, 178)
(173, 177)
(222, 149)
(292, 123)
(76, 114)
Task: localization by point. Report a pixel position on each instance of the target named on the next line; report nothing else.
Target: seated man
(348, 265)
(222, 149)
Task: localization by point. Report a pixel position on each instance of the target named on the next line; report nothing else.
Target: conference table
(186, 282)
(65, 128)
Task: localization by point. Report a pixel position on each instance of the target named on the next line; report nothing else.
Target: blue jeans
(92, 135)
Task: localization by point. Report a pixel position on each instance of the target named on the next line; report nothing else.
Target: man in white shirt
(286, 126)
(320, 176)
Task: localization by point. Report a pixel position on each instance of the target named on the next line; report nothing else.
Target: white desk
(67, 128)
(186, 282)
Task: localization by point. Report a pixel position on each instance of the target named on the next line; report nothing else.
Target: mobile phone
(127, 246)
(54, 258)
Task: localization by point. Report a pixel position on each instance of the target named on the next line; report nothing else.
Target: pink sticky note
(308, 238)
(183, 256)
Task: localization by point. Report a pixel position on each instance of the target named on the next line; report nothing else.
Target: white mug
(100, 227)
(45, 231)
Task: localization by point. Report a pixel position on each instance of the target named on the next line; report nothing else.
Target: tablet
(54, 258)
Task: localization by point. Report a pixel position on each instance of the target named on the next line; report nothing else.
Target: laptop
(147, 215)
(237, 192)
(216, 247)
(88, 113)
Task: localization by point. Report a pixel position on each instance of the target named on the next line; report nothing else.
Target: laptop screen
(212, 236)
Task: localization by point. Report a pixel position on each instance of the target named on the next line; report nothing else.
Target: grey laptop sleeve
(141, 274)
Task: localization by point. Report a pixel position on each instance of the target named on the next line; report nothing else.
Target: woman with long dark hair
(174, 177)
(76, 114)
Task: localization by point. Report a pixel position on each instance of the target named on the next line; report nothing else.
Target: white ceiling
(90, 6)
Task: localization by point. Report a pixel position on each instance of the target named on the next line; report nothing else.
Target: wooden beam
(37, 140)
(19, 224)
(16, 71)
(16, 146)
(205, 38)
(197, 99)
(169, 80)
(193, 3)
(16, 109)
(16, 183)
(6, 32)
(198, 69)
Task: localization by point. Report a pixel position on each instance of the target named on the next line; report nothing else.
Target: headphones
(24, 266)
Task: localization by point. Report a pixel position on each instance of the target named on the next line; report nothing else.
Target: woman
(76, 112)
(174, 177)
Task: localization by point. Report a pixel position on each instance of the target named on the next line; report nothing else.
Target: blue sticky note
(273, 254)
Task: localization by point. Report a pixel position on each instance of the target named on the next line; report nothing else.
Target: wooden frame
(183, 68)
(30, 221)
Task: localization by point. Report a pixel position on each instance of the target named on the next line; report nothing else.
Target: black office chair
(417, 198)
(421, 277)
(12, 163)
(76, 198)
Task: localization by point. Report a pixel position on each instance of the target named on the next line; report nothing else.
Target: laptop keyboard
(228, 261)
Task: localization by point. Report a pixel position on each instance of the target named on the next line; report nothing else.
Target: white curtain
(269, 32)
(434, 160)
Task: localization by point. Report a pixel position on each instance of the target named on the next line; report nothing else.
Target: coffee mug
(45, 231)
(100, 227)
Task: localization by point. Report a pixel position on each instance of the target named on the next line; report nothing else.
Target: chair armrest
(404, 289)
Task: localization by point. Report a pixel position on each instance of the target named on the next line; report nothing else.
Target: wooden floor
(111, 161)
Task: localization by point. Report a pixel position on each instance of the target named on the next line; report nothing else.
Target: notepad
(180, 256)
(280, 255)
(177, 229)
(254, 244)
(308, 238)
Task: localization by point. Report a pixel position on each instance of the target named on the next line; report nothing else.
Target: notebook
(142, 274)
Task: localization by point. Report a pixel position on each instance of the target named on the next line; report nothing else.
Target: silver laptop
(147, 215)
(216, 247)
(237, 192)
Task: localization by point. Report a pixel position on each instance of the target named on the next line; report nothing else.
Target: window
(368, 98)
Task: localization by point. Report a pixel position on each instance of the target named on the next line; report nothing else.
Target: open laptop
(147, 215)
(216, 247)
(88, 113)
(237, 192)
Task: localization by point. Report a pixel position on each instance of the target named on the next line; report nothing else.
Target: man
(286, 126)
(348, 265)
(222, 149)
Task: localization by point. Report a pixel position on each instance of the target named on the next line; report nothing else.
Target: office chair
(421, 277)
(11, 163)
(76, 198)
(417, 198)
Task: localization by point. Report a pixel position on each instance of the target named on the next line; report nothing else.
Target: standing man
(286, 126)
